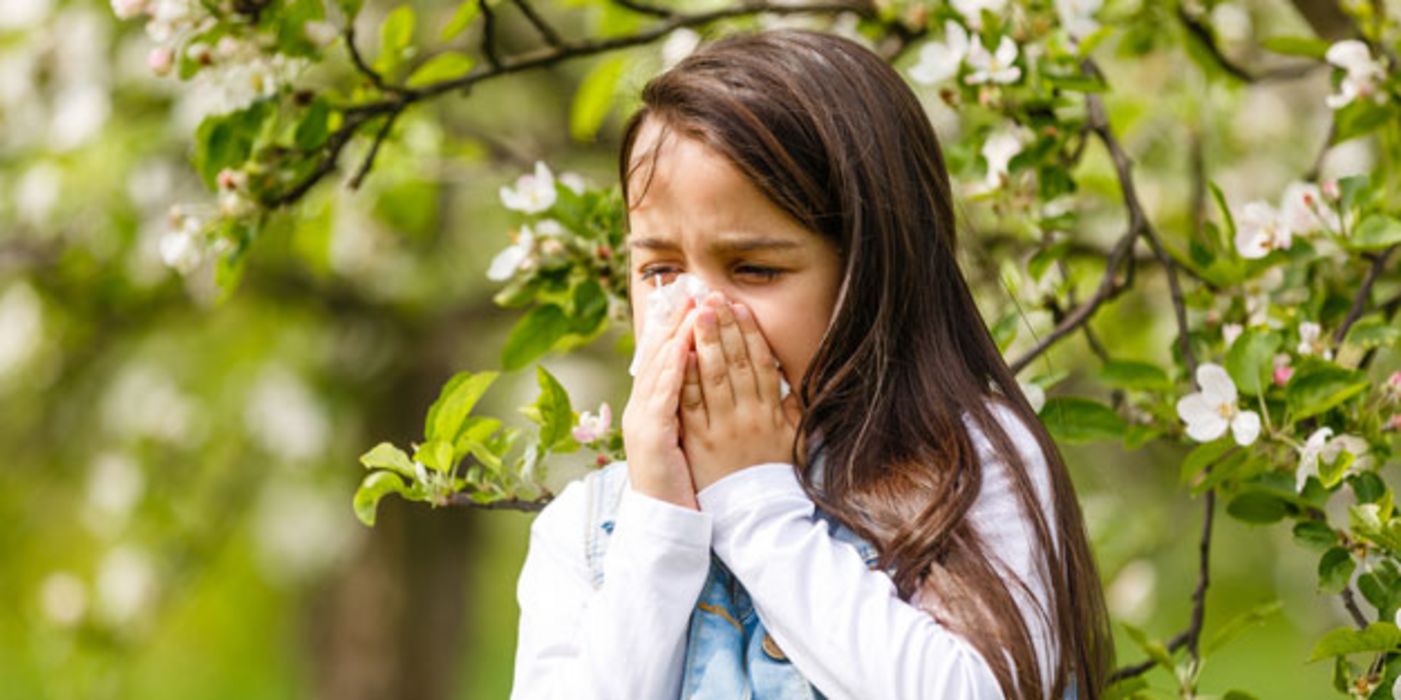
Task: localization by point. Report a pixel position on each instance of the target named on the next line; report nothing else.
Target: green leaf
(394, 37)
(314, 127)
(555, 414)
(1305, 46)
(1359, 118)
(437, 455)
(1372, 331)
(1251, 359)
(533, 336)
(1155, 649)
(1131, 374)
(1322, 389)
(1376, 232)
(1378, 637)
(475, 439)
(1239, 623)
(1077, 420)
(463, 16)
(386, 456)
(1077, 82)
(1258, 507)
(455, 402)
(1226, 218)
(1374, 522)
(595, 98)
(444, 66)
(1335, 570)
(1314, 535)
(1204, 455)
(351, 8)
(375, 486)
(226, 140)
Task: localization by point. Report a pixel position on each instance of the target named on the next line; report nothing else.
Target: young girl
(899, 525)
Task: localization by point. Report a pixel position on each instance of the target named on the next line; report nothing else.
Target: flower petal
(1246, 427)
(1216, 383)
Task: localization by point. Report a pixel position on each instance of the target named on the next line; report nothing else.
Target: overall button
(771, 648)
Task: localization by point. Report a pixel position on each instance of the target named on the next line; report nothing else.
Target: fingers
(670, 369)
(742, 378)
(692, 400)
(766, 376)
(654, 338)
(714, 371)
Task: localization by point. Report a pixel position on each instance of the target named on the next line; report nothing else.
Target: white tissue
(662, 302)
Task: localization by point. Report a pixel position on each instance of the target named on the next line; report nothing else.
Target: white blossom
(21, 326)
(1212, 409)
(183, 247)
(1304, 211)
(939, 60)
(533, 193)
(1035, 395)
(126, 582)
(63, 598)
(678, 45)
(1231, 331)
(1362, 72)
(574, 181)
(972, 10)
(127, 9)
(1321, 446)
(1260, 229)
(999, 67)
(320, 32)
(1077, 17)
(998, 150)
(513, 258)
(592, 427)
(1311, 341)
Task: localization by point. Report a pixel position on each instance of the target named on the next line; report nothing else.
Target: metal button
(771, 648)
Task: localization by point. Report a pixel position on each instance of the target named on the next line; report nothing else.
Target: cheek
(792, 336)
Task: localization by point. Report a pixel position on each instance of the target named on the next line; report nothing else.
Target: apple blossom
(320, 33)
(508, 261)
(1259, 230)
(1211, 410)
(1362, 73)
(998, 150)
(1077, 16)
(972, 10)
(160, 60)
(999, 67)
(1282, 369)
(1303, 210)
(533, 193)
(939, 61)
(1311, 341)
(1320, 445)
(127, 9)
(1231, 331)
(592, 427)
(678, 45)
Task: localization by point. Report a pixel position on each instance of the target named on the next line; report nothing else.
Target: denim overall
(729, 656)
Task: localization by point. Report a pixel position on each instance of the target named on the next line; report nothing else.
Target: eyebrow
(734, 244)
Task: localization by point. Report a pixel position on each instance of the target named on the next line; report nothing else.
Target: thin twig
(489, 35)
(1364, 292)
(465, 501)
(546, 31)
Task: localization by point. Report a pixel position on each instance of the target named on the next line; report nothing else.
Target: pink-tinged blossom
(1259, 230)
(1362, 73)
(592, 427)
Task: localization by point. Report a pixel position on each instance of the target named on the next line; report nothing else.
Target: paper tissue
(661, 303)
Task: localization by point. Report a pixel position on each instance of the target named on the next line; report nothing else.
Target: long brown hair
(832, 134)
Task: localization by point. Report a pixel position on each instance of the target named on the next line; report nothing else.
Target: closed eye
(765, 273)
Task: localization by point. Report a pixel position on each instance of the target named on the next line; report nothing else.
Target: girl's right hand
(651, 423)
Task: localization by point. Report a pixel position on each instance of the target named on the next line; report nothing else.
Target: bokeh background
(175, 492)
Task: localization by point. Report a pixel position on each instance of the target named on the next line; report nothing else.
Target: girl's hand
(650, 423)
(731, 415)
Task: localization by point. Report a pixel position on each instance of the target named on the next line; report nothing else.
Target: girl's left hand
(731, 415)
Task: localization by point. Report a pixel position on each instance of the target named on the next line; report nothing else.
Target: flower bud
(161, 59)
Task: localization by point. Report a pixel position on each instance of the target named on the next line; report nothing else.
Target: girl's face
(701, 216)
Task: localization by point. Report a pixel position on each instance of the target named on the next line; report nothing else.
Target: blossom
(1311, 341)
(999, 67)
(1282, 369)
(678, 45)
(1212, 409)
(574, 181)
(972, 10)
(1035, 395)
(513, 257)
(183, 247)
(939, 61)
(1362, 72)
(1077, 17)
(1303, 211)
(160, 60)
(998, 150)
(127, 9)
(1320, 445)
(592, 427)
(1230, 332)
(320, 32)
(533, 193)
(1260, 229)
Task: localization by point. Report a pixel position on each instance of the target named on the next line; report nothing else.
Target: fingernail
(741, 312)
(707, 319)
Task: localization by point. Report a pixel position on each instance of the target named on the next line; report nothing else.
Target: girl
(900, 525)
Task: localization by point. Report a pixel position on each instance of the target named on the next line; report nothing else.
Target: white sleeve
(627, 639)
(842, 624)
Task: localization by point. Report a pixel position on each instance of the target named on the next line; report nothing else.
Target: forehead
(696, 191)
